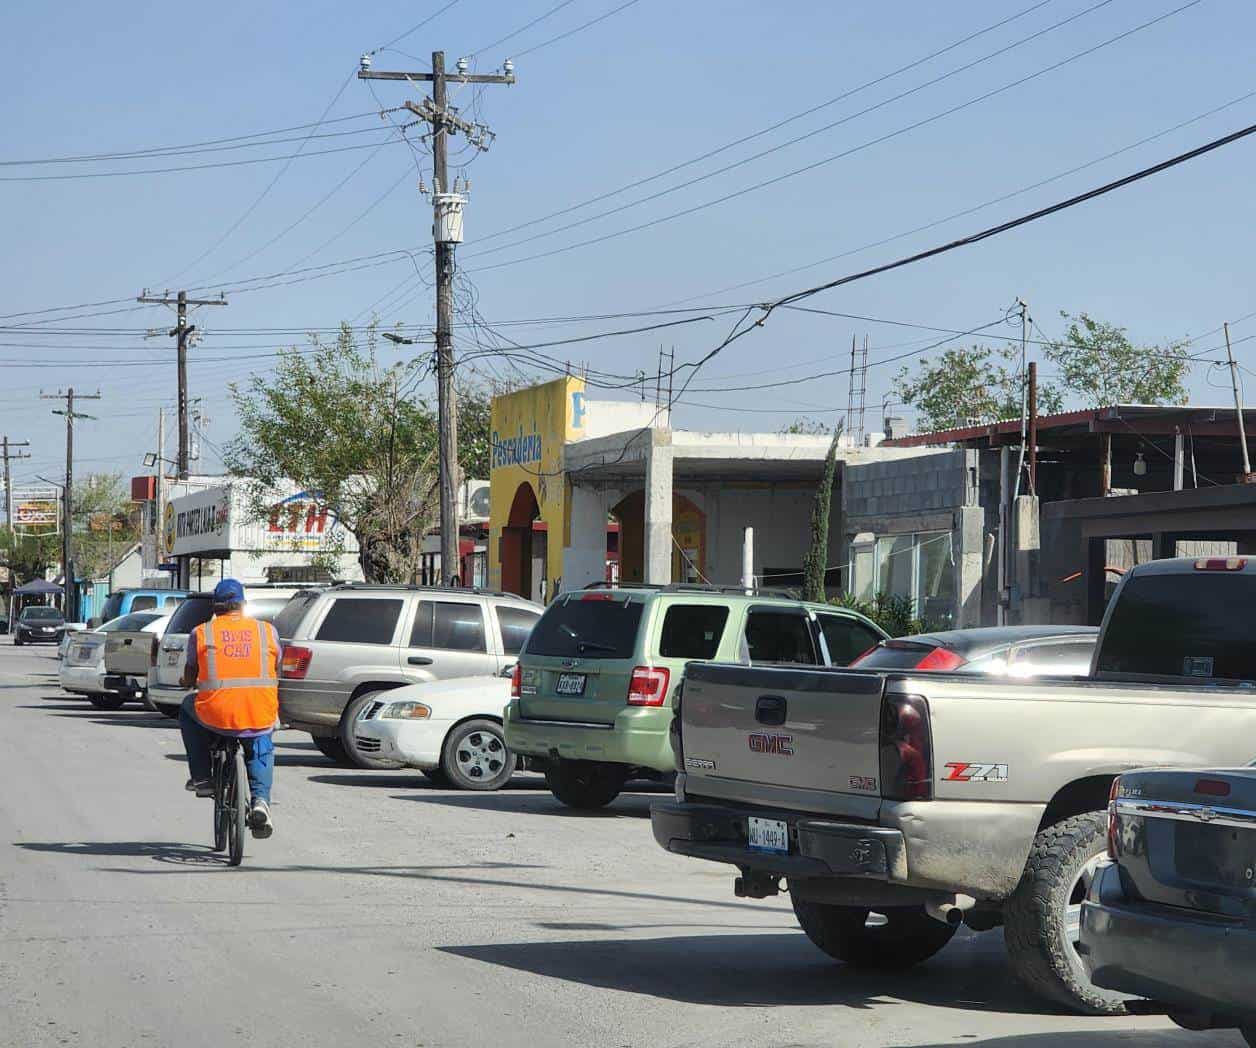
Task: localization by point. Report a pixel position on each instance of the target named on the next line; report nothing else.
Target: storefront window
(919, 566)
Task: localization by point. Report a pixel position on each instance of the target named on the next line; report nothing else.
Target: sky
(646, 127)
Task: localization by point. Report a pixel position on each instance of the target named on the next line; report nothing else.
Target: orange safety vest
(236, 686)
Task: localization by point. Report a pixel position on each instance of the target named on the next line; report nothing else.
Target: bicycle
(231, 800)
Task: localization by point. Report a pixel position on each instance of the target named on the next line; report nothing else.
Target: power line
(578, 29)
(415, 28)
(522, 29)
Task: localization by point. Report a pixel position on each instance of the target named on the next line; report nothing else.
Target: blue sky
(647, 88)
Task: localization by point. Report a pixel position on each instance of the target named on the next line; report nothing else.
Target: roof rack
(699, 587)
(416, 588)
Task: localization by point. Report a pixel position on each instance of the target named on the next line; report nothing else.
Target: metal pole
(70, 602)
(1033, 427)
(159, 525)
(747, 560)
(1238, 403)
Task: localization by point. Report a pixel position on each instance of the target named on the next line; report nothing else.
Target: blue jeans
(259, 751)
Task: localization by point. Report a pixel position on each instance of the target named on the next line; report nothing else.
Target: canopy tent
(38, 588)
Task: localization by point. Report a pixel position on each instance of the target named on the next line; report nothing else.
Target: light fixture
(1140, 466)
(150, 460)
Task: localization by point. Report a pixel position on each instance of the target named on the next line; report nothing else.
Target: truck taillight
(516, 681)
(906, 746)
(296, 662)
(1113, 826)
(648, 686)
(940, 659)
(153, 649)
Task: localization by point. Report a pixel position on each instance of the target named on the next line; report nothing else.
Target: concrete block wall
(926, 483)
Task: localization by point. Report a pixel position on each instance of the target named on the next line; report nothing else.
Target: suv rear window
(143, 602)
(1183, 625)
(190, 614)
(590, 626)
(361, 620)
(290, 616)
(692, 631)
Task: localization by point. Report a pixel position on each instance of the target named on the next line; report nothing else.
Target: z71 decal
(966, 771)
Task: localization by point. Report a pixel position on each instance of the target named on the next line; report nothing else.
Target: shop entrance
(523, 550)
(688, 539)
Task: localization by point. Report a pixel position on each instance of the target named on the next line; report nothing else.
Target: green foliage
(106, 523)
(474, 432)
(816, 559)
(969, 385)
(895, 614)
(1100, 366)
(28, 556)
(809, 427)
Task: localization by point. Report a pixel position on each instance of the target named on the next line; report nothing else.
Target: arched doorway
(519, 554)
(688, 533)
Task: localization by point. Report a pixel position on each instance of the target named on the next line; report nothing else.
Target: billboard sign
(36, 511)
(300, 522)
(197, 523)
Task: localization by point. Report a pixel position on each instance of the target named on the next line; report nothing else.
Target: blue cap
(228, 590)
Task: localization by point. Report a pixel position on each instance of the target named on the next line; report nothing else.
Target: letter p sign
(577, 411)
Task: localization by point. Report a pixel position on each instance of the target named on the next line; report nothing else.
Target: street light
(399, 340)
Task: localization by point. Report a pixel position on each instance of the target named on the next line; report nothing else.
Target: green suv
(593, 689)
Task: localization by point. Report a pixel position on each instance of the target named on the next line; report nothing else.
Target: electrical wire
(522, 29)
(578, 29)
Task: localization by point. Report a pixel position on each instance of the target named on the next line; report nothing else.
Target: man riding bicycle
(234, 662)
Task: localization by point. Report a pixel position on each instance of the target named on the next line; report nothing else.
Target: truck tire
(1042, 918)
(586, 785)
(908, 936)
(102, 700)
(330, 747)
(475, 756)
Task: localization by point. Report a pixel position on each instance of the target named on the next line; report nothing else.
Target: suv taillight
(153, 649)
(516, 681)
(648, 686)
(906, 749)
(1113, 826)
(296, 662)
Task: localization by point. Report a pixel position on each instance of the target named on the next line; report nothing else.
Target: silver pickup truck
(899, 805)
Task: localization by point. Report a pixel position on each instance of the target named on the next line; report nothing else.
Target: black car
(38, 625)
(1169, 919)
(1017, 651)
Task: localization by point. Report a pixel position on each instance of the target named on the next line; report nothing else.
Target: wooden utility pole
(447, 232)
(69, 590)
(182, 331)
(9, 455)
(1238, 405)
(1033, 427)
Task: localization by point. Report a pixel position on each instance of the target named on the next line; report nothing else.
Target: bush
(893, 613)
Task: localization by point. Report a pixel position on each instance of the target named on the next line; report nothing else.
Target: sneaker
(259, 820)
(201, 787)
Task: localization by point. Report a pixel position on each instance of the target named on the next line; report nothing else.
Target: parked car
(1016, 651)
(594, 691)
(38, 624)
(83, 669)
(1169, 917)
(449, 729)
(167, 657)
(124, 601)
(935, 799)
(346, 645)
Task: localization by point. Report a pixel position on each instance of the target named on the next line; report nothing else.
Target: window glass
(265, 608)
(361, 620)
(1183, 625)
(846, 638)
(457, 626)
(41, 614)
(172, 602)
(112, 608)
(515, 624)
(143, 602)
(780, 636)
(919, 567)
(190, 614)
(290, 616)
(421, 631)
(1064, 657)
(596, 626)
(131, 622)
(895, 655)
(692, 631)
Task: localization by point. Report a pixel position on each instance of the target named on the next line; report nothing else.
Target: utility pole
(1238, 403)
(1033, 427)
(447, 232)
(9, 455)
(181, 332)
(70, 590)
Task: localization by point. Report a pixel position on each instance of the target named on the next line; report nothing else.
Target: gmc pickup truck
(898, 805)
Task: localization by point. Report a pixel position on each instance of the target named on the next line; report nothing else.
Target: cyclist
(234, 662)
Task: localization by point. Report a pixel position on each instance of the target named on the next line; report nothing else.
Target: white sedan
(450, 729)
(82, 670)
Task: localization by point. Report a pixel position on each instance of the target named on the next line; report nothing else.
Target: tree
(815, 562)
(28, 556)
(106, 524)
(1101, 367)
(967, 386)
(337, 423)
(807, 427)
(474, 432)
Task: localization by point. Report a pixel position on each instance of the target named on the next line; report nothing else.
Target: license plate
(172, 658)
(570, 684)
(768, 835)
(83, 653)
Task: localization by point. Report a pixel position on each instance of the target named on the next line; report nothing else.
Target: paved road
(385, 912)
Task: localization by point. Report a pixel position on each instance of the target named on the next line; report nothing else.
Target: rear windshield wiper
(585, 645)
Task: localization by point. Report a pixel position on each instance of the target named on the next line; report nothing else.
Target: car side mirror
(508, 671)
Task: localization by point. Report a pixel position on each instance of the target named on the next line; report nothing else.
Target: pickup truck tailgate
(803, 739)
(127, 652)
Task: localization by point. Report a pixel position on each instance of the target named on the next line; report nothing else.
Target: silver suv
(345, 645)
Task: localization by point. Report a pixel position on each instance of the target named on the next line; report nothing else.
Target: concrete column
(863, 566)
(658, 508)
(584, 560)
(968, 546)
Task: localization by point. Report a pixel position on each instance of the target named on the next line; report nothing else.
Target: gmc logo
(781, 745)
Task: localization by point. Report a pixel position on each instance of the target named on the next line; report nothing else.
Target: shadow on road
(412, 778)
(518, 802)
(768, 970)
(178, 854)
(1098, 1039)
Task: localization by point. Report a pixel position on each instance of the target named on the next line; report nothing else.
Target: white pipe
(747, 559)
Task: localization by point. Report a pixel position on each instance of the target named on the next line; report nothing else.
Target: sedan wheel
(362, 750)
(475, 756)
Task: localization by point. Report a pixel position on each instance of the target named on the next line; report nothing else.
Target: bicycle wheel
(238, 808)
(217, 777)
